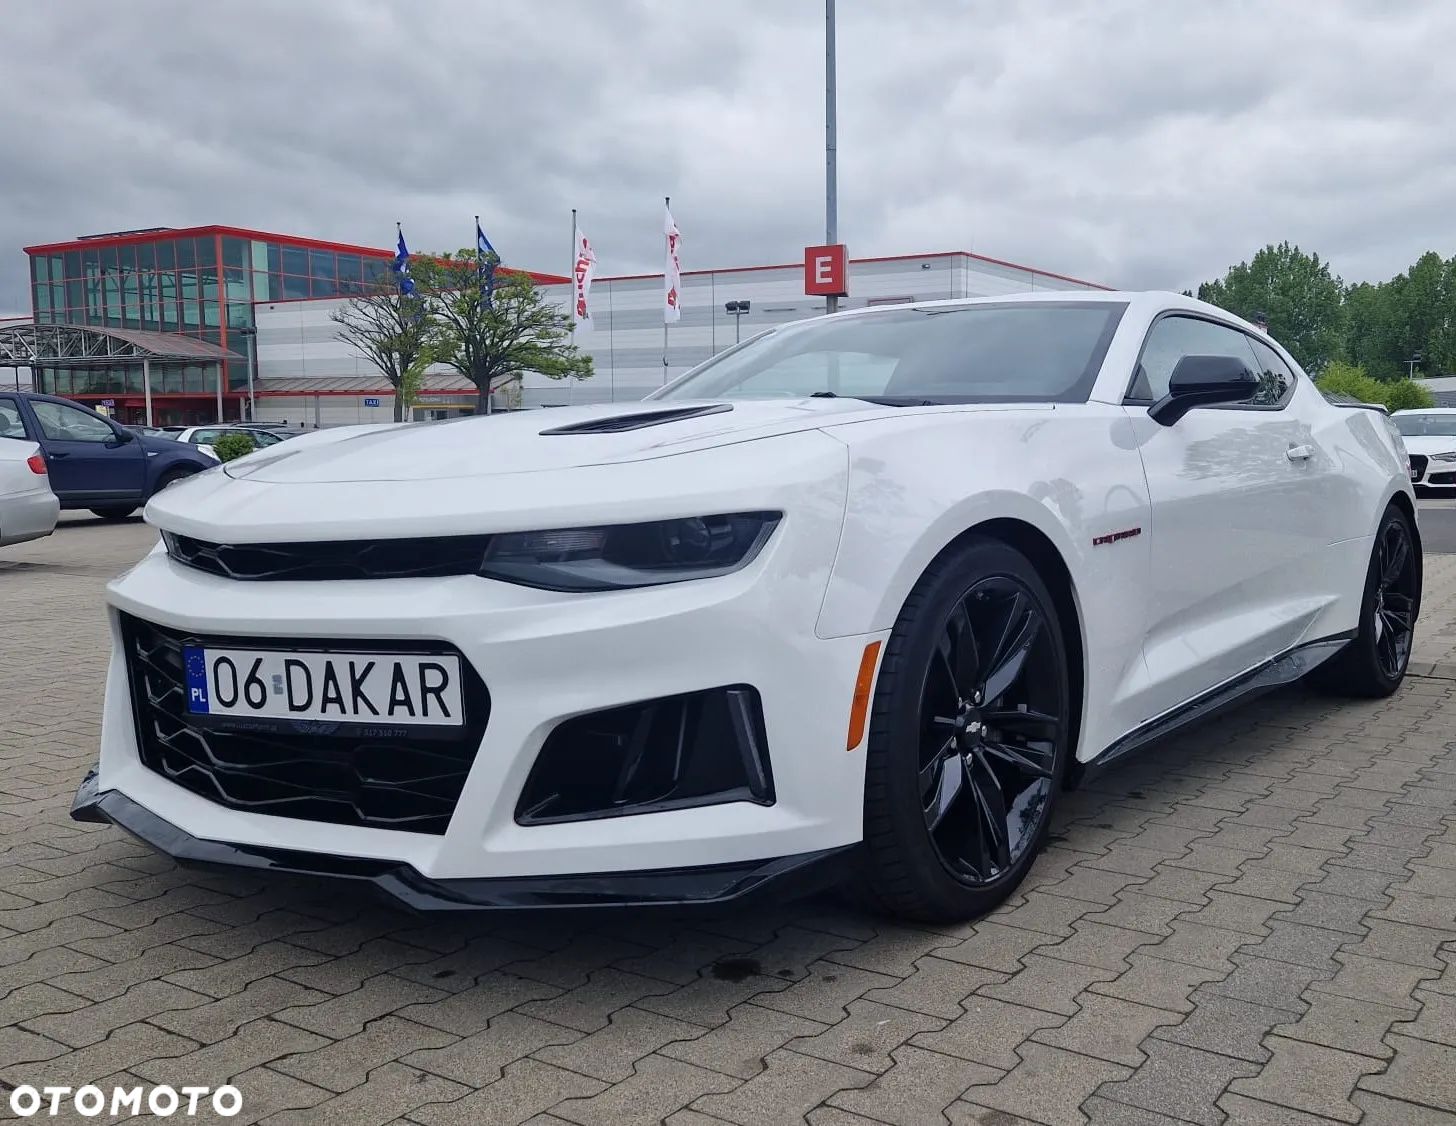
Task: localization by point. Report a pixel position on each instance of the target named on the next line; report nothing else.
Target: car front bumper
(545, 659)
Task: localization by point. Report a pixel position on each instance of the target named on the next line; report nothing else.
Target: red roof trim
(882, 258)
(211, 229)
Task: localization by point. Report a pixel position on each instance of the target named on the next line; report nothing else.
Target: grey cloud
(1138, 143)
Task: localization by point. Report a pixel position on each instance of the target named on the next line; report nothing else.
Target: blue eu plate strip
(195, 664)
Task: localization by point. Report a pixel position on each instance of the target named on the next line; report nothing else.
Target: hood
(1428, 444)
(538, 440)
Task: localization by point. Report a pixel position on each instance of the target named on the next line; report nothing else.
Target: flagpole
(571, 296)
(667, 210)
(479, 262)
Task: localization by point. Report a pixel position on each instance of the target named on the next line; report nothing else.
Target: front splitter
(402, 883)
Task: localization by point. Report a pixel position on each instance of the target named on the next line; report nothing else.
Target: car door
(1232, 531)
(88, 458)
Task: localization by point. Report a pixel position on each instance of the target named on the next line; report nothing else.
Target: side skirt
(1274, 673)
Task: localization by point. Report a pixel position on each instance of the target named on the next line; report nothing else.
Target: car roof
(1427, 410)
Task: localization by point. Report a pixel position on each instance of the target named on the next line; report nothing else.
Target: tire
(114, 511)
(930, 851)
(1373, 664)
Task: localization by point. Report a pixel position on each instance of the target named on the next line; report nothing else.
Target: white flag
(672, 272)
(582, 272)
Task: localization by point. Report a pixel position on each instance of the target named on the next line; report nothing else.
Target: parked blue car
(92, 461)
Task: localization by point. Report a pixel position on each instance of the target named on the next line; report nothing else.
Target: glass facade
(200, 284)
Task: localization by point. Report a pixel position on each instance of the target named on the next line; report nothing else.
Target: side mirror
(1200, 381)
(124, 436)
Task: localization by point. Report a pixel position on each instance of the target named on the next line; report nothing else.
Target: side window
(10, 424)
(61, 423)
(262, 438)
(204, 437)
(1171, 339)
(1275, 378)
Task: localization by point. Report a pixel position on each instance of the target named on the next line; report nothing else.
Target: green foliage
(494, 346)
(1296, 291)
(1395, 395)
(392, 330)
(233, 445)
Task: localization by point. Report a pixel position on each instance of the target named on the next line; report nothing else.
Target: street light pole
(831, 144)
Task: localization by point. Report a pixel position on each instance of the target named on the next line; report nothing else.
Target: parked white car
(856, 599)
(28, 507)
(203, 437)
(1430, 440)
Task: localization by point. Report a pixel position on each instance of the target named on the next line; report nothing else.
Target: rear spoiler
(1337, 399)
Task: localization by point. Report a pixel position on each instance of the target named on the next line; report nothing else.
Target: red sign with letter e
(826, 271)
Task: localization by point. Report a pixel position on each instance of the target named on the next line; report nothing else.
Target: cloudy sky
(1140, 143)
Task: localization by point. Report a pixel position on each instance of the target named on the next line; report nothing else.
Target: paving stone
(1241, 913)
(479, 1059)
(254, 1044)
(1108, 1028)
(1357, 883)
(865, 1037)
(1209, 947)
(657, 1089)
(1332, 912)
(1094, 944)
(1379, 1110)
(916, 1090)
(1047, 1085)
(894, 950)
(1227, 1025)
(348, 1015)
(346, 1063)
(995, 947)
(219, 1019)
(1094, 885)
(1303, 945)
(988, 1032)
(611, 1053)
(684, 960)
(826, 993)
(19, 1047)
(1309, 1077)
(1105, 1112)
(1346, 1023)
(1438, 912)
(461, 968)
(794, 950)
(1261, 882)
(267, 1095)
(937, 987)
(1421, 1072)
(1156, 982)
(1244, 1111)
(1374, 979)
(224, 978)
(738, 1047)
(1130, 860)
(123, 1049)
(392, 1092)
(1401, 942)
(1138, 911)
(1186, 885)
(784, 1092)
(1050, 984)
(40, 999)
(471, 1010)
(347, 973)
(573, 965)
(95, 1022)
(1181, 1082)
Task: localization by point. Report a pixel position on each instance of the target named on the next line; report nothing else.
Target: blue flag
(401, 268)
(486, 260)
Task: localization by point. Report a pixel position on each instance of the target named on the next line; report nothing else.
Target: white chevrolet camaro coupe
(852, 601)
(1430, 440)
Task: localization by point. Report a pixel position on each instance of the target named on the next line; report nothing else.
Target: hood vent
(638, 421)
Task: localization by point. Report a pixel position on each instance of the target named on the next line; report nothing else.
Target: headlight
(621, 556)
(1443, 457)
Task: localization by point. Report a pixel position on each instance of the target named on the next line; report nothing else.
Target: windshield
(1022, 351)
(1427, 425)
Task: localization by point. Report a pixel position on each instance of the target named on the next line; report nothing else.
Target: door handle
(1299, 453)
(58, 453)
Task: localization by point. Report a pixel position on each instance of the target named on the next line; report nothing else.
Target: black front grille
(1441, 479)
(1418, 466)
(340, 773)
(431, 558)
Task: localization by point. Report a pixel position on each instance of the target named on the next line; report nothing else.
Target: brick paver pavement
(1253, 923)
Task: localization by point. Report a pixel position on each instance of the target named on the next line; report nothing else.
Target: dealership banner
(582, 272)
(672, 272)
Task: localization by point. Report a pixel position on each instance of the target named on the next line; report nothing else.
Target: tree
(495, 345)
(1340, 378)
(233, 445)
(1296, 291)
(392, 330)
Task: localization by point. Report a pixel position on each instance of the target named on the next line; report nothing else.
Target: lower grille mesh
(314, 771)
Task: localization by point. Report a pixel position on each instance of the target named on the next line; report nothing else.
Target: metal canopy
(33, 345)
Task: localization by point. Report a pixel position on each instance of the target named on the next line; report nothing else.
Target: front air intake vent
(637, 421)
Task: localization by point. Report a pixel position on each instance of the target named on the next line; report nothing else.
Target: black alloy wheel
(1397, 587)
(1374, 662)
(969, 737)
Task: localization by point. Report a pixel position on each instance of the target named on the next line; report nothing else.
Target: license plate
(398, 689)
(1415, 473)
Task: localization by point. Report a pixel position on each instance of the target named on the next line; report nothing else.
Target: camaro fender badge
(1113, 537)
